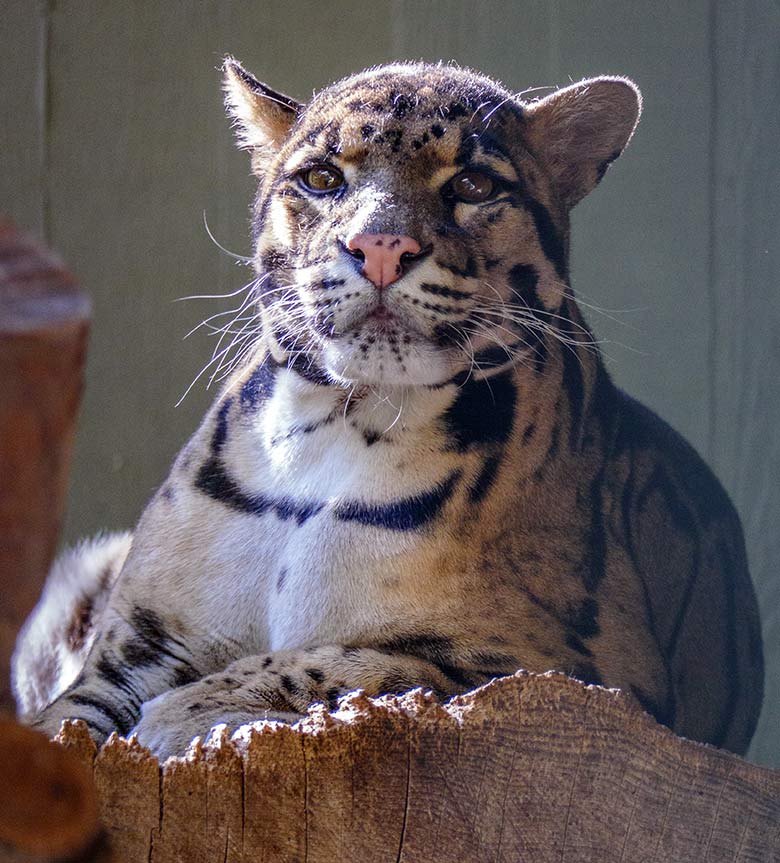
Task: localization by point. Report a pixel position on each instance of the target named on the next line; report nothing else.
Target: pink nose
(382, 255)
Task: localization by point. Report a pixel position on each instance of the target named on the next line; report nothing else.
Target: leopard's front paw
(171, 721)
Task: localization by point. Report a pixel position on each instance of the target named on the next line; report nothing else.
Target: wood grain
(529, 767)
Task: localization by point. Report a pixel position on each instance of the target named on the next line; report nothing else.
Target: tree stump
(527, 769)
(44, 321)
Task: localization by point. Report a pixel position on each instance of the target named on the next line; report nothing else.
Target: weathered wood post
(44, 320)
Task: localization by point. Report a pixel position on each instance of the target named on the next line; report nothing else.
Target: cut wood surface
(43, 331)
(528, 769)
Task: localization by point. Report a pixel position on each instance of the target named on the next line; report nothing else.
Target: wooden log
(43, 332)
(527, 768)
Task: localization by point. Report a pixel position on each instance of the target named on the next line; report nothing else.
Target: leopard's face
(406, 229)
(389, 225)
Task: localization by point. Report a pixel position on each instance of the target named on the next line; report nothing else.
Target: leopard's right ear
(262, 117)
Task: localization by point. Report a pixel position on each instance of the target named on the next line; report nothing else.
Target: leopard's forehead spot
(414, 110)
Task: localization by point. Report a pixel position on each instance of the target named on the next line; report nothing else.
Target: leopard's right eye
(322, 179)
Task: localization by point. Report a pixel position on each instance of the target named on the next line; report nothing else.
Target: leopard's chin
(378, 356)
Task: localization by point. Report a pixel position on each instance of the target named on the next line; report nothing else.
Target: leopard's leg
(280, 686)
(138, 654)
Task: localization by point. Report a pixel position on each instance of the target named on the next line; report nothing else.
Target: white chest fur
(331, 489)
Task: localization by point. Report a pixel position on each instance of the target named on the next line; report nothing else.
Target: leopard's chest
(343, 532)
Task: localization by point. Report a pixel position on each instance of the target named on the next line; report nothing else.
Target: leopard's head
(411, 221)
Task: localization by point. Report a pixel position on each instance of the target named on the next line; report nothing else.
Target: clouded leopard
(421, 474)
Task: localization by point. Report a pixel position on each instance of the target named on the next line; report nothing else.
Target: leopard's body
(428, 480)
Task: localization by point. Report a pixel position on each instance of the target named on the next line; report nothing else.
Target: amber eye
(472, 186)
(322, 178)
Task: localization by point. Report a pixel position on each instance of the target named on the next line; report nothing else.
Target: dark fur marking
(584, 618)
(291, 687)
(587, 673)
(482, 413)
(280, 579)
(497, 664)
(433, 648)
(485, 480)
(396, 683)
(184, 674)
(152, 646)
(577, 644)
(425, 645)
(309, 370)
(731, 660)
(329, 284)
(550, 238)
(138, 652)
(120, 723)
(80, 625)
(332, 698)
(221, 428)
(148, 624)
(371, 437)
(316, 675)
(406, 514)
(649, 705)
(437, 131)
(469, 271)
(266, 662)
(457, 675)
(443, 291)
(684, 521)
(574, 384)
(402, 104)
(492, 357)
(110, 672)
(113, 674)
(214, 480)
(259, 386)
(523, 279)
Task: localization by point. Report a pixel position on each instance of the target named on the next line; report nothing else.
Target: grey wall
(113, 144)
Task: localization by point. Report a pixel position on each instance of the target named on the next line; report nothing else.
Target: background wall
(113, 144)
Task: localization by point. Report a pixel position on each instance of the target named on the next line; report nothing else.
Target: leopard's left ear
(263, 117)
(577, 132)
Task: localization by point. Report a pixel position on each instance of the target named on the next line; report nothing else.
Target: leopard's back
(687, 548)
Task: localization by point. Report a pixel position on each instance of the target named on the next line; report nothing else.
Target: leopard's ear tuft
(262, 117)
(578, 131)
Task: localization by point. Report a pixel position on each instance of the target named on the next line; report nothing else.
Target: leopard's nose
(384, 256)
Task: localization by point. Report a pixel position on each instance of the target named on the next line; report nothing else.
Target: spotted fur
(439, 495)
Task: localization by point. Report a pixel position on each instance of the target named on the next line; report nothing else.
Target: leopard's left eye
(471, 186)
(322, 178)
